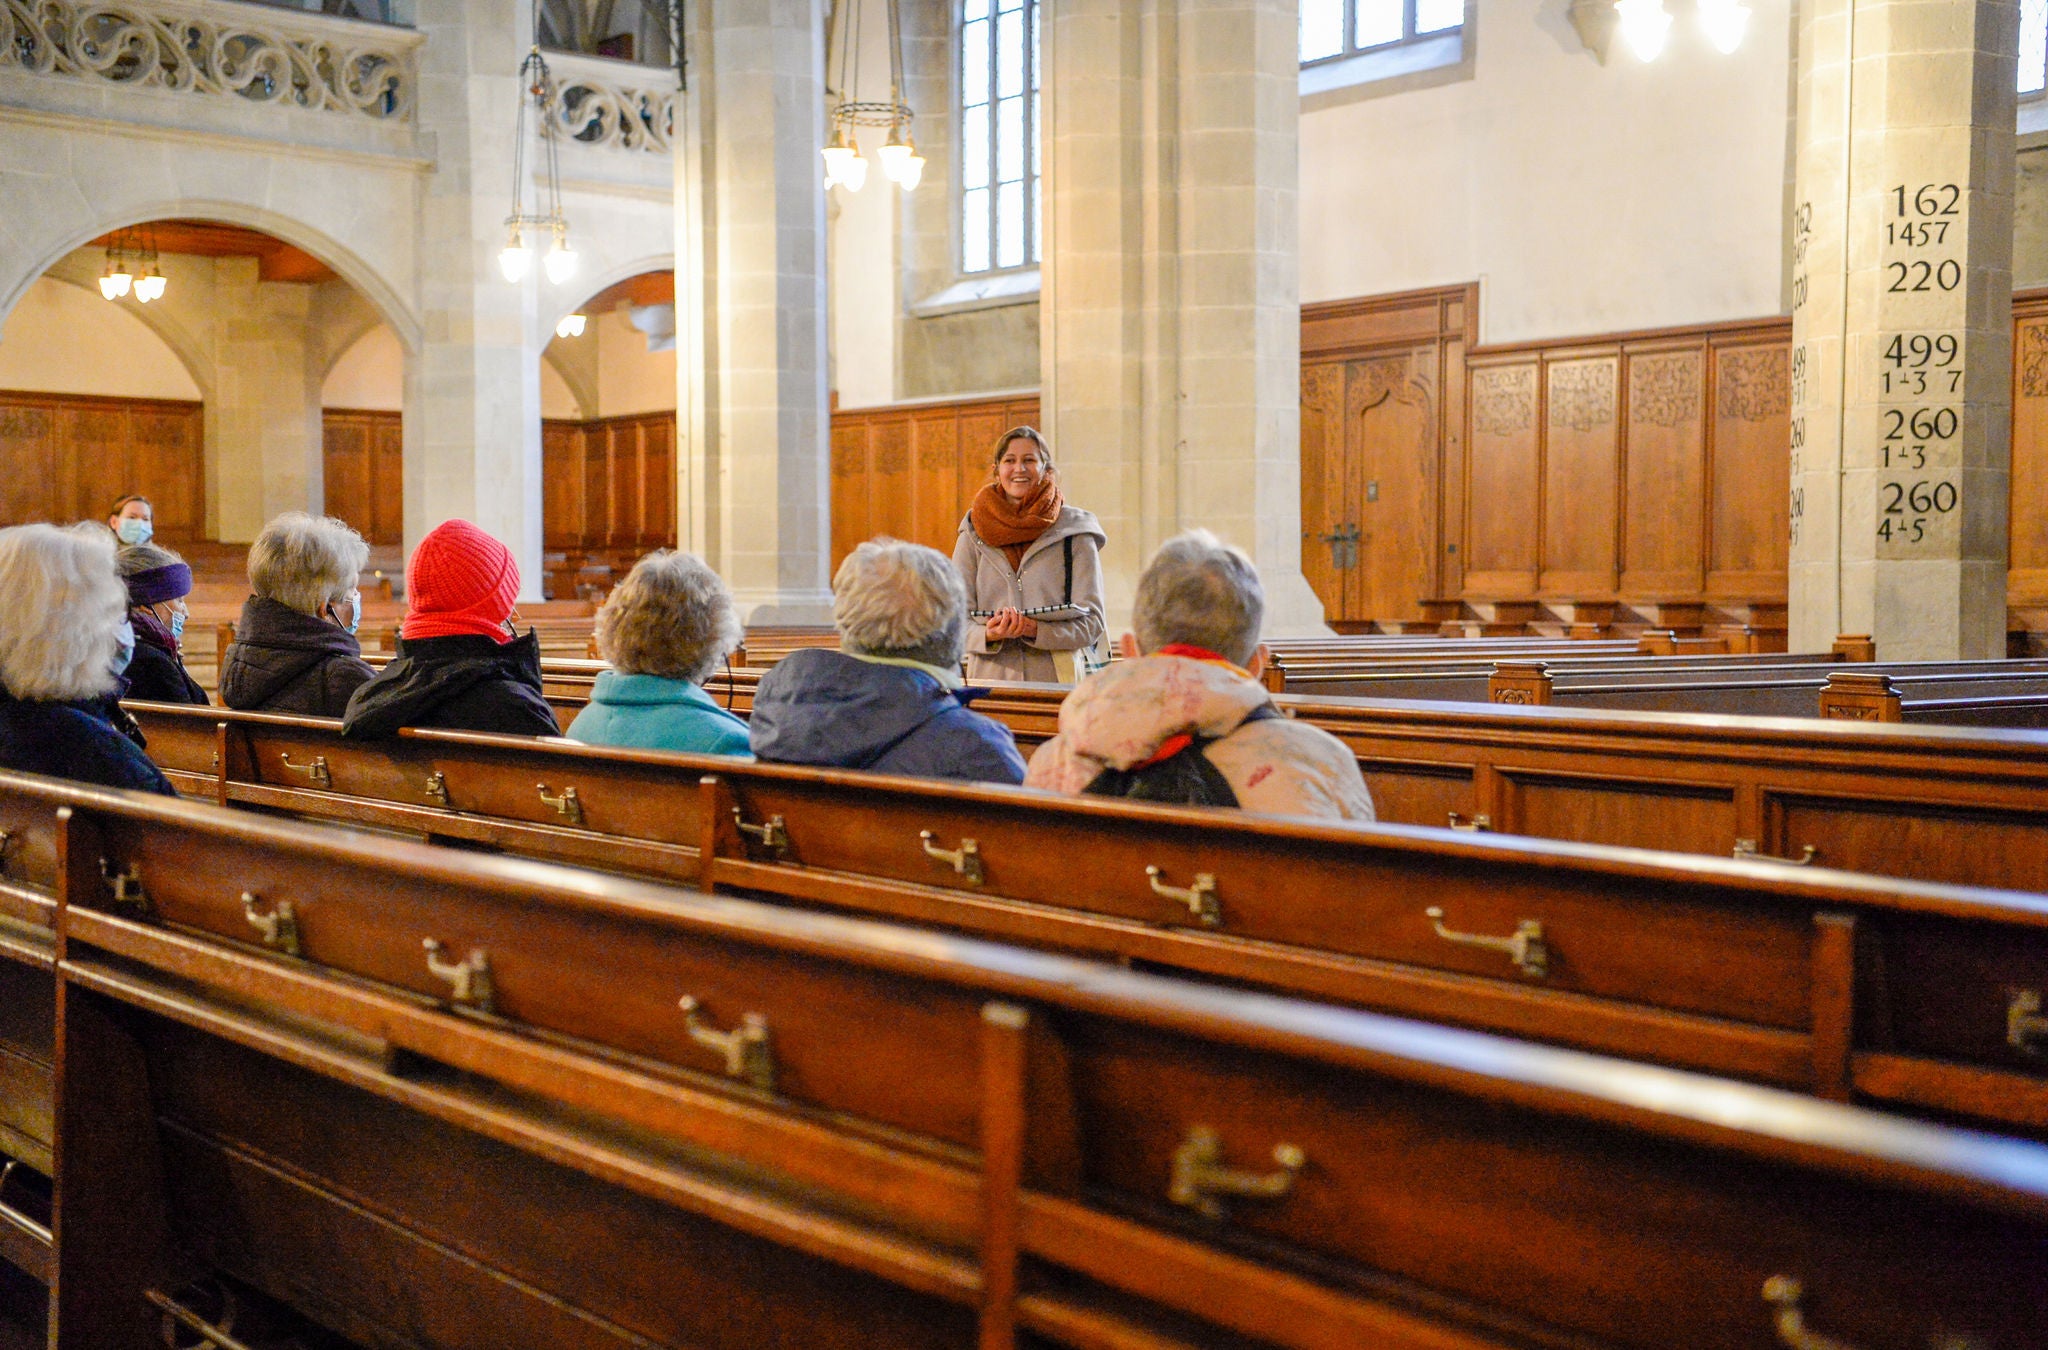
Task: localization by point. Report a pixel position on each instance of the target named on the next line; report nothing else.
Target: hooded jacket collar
(818, 706)
(274, 646)
(1123, 715)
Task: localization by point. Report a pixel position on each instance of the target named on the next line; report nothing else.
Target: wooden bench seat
(1807, 978)
(959, 1141)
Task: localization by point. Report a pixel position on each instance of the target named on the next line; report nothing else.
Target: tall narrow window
(1336, 28)
(2033, 47)
(999, 161)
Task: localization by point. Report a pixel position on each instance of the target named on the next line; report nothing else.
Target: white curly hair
(63, 604)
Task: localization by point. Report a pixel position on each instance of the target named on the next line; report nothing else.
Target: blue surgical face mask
(124, 647)
(134, 530)
(177, 626)
(355, 613)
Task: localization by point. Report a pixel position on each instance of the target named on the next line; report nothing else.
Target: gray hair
(306, 562)
(890, 598)
(1200, 591)
(134, 559)
(672, 616)
(63, 604)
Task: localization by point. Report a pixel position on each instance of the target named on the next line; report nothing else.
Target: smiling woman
(1034, 580)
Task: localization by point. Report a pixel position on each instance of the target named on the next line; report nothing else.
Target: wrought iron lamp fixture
(116, 280)
(844, 163)
(1645, 25)
(523, 229)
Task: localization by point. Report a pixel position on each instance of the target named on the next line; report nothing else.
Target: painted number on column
(1920, 376)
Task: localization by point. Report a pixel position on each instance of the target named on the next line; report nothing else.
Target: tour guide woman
(1032, 567)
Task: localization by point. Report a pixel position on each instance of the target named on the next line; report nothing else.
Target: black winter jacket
(282, 661)
(156, 675)
(73, 740)
(464, 683)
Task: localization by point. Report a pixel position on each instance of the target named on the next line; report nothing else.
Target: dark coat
(73, 740)
(157, 675)
(464, 683)
(282, 661)
(823, 707)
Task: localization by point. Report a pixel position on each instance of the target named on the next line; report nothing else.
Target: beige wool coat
(1038, 581)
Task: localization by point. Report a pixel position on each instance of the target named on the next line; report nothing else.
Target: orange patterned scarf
(1013, 528)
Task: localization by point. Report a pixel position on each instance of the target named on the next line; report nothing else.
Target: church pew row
(1837, 983)
(1934, 803)
(466, 1109)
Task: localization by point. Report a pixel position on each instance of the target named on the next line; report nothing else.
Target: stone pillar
(472, 395)
(263, 421)
(753, 428)
(1902, 325)
(1171, 319)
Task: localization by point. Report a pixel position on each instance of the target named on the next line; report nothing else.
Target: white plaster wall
(64, 340)
(369, 376)
(1584, 198)
(630, 379)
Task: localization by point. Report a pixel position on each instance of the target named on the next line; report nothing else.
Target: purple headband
(159, 584)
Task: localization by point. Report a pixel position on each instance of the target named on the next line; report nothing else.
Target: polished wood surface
(1680, 960)
(1515, 1195)
(365, 471)
(70, 456)
(911, 469)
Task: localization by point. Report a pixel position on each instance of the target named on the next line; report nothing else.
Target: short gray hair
(1200, 591)
(306, 562)
(672, 616)
(890, 598)
(63, 605)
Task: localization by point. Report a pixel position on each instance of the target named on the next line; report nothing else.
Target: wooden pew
(1830, 982)
(855, 1135)
(1938, 804)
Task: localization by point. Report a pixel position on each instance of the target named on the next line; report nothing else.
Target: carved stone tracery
(612, 105)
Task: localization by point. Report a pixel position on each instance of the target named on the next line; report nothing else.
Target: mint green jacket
(652, 712)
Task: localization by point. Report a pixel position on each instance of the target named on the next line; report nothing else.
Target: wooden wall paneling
(92, 457)
(597, 486)
(1663, 518)
(2027, 582)
(166, 464)
(658, 483)
(345, 467)
(849, 507)
(561, 494)
(890, 510)
(387, 481)
(1581, 476)
(28, 452)
(1749, 458)
(935, 449)
(979, 428)
(1503, 473)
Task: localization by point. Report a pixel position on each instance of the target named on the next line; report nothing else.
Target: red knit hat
(460, 581)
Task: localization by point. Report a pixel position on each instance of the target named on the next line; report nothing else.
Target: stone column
(1171, 320)
(472, 395)
(263, 421)
(1902, 325)
(750, 306)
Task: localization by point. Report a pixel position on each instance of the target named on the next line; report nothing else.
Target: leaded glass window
(999, 159)
(1331, 29)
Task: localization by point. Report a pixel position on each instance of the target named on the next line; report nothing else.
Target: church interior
(1568, 479)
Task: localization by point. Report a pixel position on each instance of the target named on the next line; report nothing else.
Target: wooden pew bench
(1990, 693)
(1829, 982)
(867, 1136)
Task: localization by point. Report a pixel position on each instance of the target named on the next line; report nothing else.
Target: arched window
(998, 135)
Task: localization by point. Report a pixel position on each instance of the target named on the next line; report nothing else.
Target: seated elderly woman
(891, 699)
(664, 629)
(295, 649)
(64, 641)
(158, 582)
(1185, 719)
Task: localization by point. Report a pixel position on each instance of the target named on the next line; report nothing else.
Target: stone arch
(386, 294)
(604, 281)
(171, 333)
(579, 384)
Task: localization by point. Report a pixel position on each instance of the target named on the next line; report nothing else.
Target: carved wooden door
(1390, 422)
(1327, 492)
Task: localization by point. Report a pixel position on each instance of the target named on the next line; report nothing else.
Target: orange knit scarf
(1010, 527)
